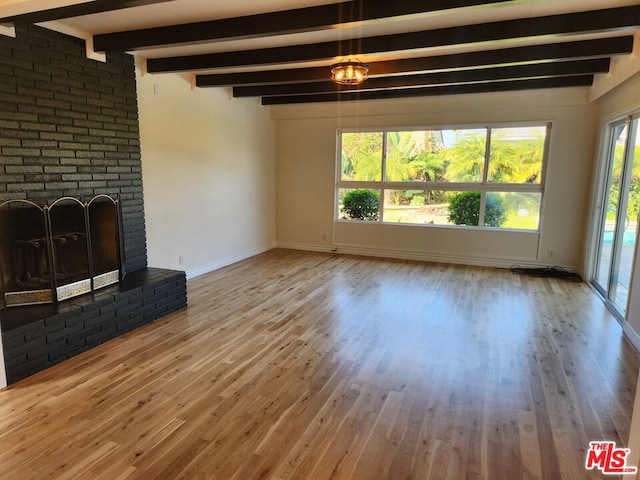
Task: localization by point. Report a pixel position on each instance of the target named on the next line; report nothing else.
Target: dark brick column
(69, 127)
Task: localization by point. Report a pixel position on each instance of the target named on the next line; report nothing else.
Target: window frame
(484, 186)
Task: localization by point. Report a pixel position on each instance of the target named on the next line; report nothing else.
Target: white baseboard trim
(631, 335)
(305, 247)
(196, 272)
(419, 256)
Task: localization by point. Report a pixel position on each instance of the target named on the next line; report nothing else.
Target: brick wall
(69, 127)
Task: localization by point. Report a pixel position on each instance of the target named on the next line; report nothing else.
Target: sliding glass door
(618, 231)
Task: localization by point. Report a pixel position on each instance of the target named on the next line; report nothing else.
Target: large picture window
(489, 177)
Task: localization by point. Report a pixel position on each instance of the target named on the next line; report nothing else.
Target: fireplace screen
(24, 254)
(69, 250)
(105, 242)
(56, 252)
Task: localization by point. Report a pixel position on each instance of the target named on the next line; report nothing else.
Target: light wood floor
(296, 366)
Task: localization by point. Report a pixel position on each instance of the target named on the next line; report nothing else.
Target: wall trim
(196, 272)
(306, 247)
(631, 335)
(419, 256)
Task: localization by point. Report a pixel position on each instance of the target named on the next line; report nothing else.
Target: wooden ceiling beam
(573, 23)
(274, 23)
(77, 10)
(603, 47)
(513, 72)
(472, 88)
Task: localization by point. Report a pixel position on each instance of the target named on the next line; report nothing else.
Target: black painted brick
(70, 127)
(92, 321)
(59, 109)
(17, 373)
(21, 330)
(77, 349)
(160, 310)
(34, 335)
(96, 338)
(133, 306)
(57, 345)
(79, 338)
(38, 364)
(108, 323)
(109, 333)
(37, 351)
(58, 356)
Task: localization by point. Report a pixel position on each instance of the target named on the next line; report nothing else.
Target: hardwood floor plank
(529, 445)
(298, 365)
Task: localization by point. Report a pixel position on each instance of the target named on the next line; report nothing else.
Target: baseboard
(631, 335)
(230, 260)
(305, 247)
(419, 256)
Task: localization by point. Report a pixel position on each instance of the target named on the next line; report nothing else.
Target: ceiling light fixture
(349, 72)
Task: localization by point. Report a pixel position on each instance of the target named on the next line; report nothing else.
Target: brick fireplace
(69, 128)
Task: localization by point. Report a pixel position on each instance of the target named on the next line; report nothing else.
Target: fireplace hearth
(54, 252)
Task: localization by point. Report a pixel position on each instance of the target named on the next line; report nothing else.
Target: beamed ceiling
(281, 50)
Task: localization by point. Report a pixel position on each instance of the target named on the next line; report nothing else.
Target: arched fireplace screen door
(59, 251)
(105, 241)
(70, 251)
(25, 272)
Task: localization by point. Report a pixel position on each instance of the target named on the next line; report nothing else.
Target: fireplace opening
(55, 252)
(105, 242)
(24, 254)
(70, 251)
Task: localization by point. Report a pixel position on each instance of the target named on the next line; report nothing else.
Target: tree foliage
(361, 204)
(362, 156)
(633, 205)
(401, 154)
(465, 160)
(516, 161)
(426, 156)
(464, 209)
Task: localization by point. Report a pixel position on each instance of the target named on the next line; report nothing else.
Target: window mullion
(487, 157)
(352, 184)
(485, 176)
(545, 154)
(384, 176)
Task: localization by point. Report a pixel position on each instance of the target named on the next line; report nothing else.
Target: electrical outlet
(550, 253)
(180, 260)
(324, 237)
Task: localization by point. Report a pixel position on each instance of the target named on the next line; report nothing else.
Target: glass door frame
(606, 175)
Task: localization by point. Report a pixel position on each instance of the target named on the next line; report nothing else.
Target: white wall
(305, 172)
(208, 174)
